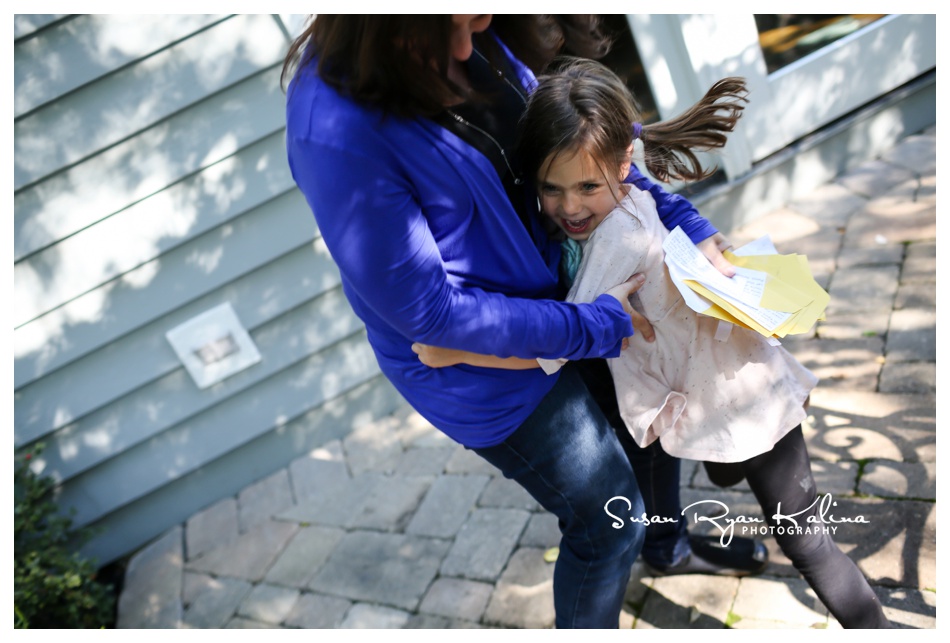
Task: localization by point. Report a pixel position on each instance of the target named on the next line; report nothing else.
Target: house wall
(150, 185)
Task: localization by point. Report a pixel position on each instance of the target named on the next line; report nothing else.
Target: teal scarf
(571, 253)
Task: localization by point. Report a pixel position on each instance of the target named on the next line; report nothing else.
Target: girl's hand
(435, 357)
(712, 248)
(622, 293)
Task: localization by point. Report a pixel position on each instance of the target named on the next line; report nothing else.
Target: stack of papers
(772, 294)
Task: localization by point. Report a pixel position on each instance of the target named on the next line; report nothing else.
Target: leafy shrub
(53, 586)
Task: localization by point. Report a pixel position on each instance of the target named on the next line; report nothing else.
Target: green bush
(53, 586)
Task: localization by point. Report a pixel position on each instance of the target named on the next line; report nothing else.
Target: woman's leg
(783, 475)
(568, 458)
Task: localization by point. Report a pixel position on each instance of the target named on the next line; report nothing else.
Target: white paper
(744, 290)
(746, 287)
(761, 246)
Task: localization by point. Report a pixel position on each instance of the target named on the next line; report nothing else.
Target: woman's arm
(388, 258)
(435, 357)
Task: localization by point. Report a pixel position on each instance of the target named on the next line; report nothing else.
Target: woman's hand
(622, 294)
(435, 357)
(712, 247)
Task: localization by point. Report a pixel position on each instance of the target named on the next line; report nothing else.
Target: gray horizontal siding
(26, 24)
(58, 61)
(288, 282)
(187, 272)
(143, 231)
(135, 97)
(214, 432)
(183, 144)
(308, 329)
(150, 186)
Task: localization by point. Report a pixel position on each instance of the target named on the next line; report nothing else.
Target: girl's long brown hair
(584, 105)
(668, 145)
(400, 62)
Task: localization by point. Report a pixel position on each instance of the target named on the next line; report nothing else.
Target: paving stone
(502, 492)
(909, 608)
(627, 618)
(784, 226)
(374, 447)
(842, 363)
(392, 569)
(336, 504)
(484, 543)
(447, 505)
(265, 498)
(214, 605)
(857, 425)
(838, 478)
(921, 190)
(920, 264)
(638, 588)
(916, 295)
(772, 602)
(430, 622)
(317, 612)
(896, 546)
(900, 479)
(241, 623)
(912, 335)
(864, 288)
(374, 617)
(269, 603)
(542, 531)
(918, 154)
(874, 178)
(211, 527)
(251, 555)
(467, 461)
(854, 324)
(420, 461)
(192, 584)
(878, 256)
(303, 556)
(830, 204)
(694, 601)
(415, 431)
(909, 377)
(321, 469)
(457, 598)
(524, 595)
(891, 220)
(391, 502)
(151, 596)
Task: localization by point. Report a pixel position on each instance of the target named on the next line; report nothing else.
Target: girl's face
(577, 193)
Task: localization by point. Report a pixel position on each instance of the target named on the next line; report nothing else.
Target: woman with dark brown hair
(400, 134)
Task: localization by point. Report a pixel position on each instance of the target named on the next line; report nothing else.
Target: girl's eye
(548, 190)
(590, 187)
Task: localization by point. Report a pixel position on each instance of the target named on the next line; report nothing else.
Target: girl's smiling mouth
(576, 226)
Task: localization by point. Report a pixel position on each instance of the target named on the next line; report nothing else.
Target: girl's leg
(783, 475)
(668, 548)
(568, 458)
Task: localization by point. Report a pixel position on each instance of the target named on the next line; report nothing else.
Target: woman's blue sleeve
(380, 239)
(674, 210)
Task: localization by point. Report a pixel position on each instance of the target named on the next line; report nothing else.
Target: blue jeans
(567, 456)
(657, 472)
